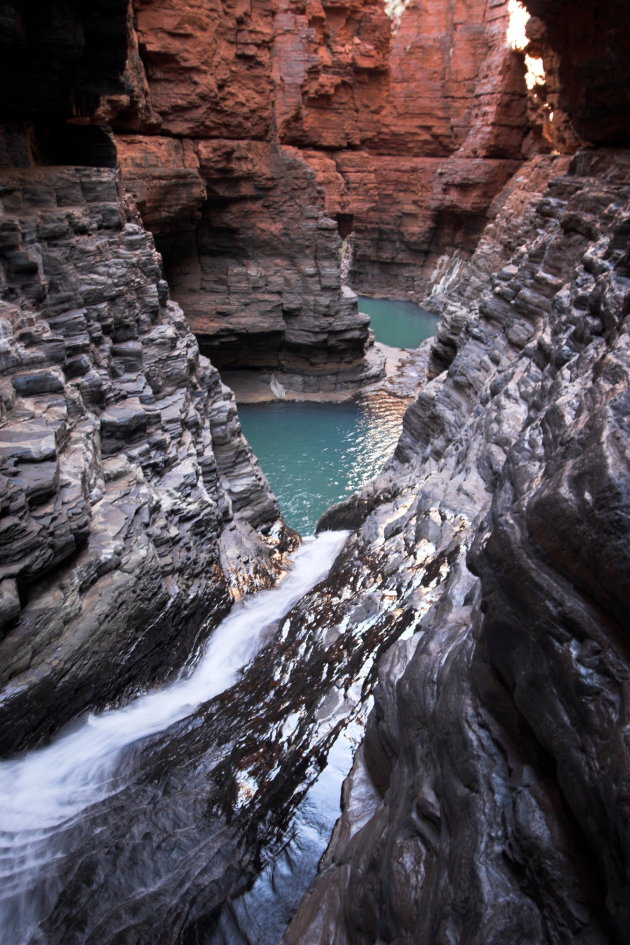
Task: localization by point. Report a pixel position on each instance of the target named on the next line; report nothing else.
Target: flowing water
(47, 790)
(315, 454)
(397, 323)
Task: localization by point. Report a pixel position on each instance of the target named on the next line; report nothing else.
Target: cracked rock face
(131, 503)
(497, 743)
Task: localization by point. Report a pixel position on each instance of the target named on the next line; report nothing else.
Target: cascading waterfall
(47, 791)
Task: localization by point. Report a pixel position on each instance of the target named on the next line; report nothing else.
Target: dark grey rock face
(129, 497)
(497, 741)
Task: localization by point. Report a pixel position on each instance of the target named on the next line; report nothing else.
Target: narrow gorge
(197, 194)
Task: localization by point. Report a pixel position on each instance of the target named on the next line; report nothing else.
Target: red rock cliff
(238, 214)
(251, 127)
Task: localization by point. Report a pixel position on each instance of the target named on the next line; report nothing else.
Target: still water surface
(316, 454)
(397, 323)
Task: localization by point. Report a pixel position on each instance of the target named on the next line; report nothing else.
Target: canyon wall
(238, 215)
(255, 137)
(128, 492)
(486, 581)
(438, 135)
(130, 499)
(490, 796)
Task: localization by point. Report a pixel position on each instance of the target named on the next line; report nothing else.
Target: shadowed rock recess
(481, 598)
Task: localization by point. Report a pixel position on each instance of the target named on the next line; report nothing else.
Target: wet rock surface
(484, 589)
(194, 806)
(496, 742)
(132, 509)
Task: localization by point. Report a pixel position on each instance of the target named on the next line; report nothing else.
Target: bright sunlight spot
(535, 74)
(515, 37)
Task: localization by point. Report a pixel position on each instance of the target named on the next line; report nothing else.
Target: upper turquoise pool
(398, 324)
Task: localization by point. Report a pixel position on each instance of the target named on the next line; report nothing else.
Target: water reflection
(262, 914)
(316, 454)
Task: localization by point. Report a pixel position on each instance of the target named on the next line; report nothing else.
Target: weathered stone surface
(208, 66)
(121, 472)
(412, 128)
(163, 176)
(494, 548)
(270, 266)
(415, 210)
(440, 132)
(496, 744)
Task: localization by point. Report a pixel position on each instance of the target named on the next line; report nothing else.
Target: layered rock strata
(132, 509)
(239, 219)
(490, 796)
(255, 138)
(259, 276)
(199, 803)
(496, 747)
(438, 134)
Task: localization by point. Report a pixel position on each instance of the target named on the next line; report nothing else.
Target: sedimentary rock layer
(128, 493)
(411, 126)
(496, 745)
(260, 275)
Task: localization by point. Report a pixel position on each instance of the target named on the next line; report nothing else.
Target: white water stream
(48, 789)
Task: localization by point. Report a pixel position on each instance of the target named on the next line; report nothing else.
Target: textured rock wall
(490, 796)
(238, 216)
(130, 502)
(245, 130)
(450, 126)
(496, 746)
(266, 123)
(259, 275)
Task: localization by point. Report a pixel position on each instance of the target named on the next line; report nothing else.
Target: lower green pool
(315, 454)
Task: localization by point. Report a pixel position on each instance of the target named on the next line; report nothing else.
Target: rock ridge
(132, 508)
(496, 744)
